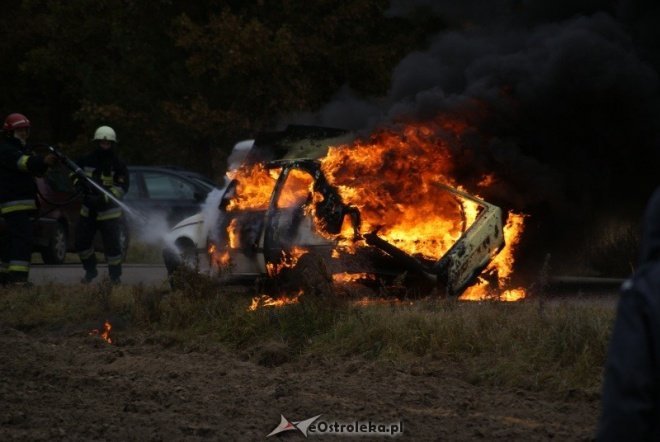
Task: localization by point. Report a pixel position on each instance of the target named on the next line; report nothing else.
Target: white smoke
(152, 231)
(209, 212)
(238, 154)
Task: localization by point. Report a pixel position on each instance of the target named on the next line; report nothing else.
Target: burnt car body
(265, 243)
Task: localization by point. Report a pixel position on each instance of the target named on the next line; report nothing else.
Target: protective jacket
(631, 388)
(106, 169)
(18, 166)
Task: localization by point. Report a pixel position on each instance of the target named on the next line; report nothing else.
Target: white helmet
(105, 133)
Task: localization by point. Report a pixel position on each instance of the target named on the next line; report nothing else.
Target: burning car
(288, 200)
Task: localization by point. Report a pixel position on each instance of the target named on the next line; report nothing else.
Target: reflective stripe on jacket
(15, 206)
(18, 167)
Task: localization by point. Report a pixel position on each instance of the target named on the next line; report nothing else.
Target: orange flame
(289, 260)
(267, 301)
(502, 264)
(218, 258)
(296, 190)
(105, 334)
(232, 233)
(352, 277)
(487, 180)
(254, 188)
(390, 178)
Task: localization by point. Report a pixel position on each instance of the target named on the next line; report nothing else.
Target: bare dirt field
(68, 385)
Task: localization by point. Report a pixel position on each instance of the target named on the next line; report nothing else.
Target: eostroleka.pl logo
(357, 428)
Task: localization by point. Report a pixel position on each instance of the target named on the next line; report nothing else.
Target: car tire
(185, 255)
(55, 251)
(188, 254)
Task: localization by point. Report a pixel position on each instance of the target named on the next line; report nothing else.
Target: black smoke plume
(562, 99)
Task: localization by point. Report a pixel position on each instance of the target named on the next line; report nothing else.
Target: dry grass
(612, 247)
(560, 348)
(495, 343)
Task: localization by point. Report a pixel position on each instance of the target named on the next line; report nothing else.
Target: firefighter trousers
(16, 250)
(85, 232)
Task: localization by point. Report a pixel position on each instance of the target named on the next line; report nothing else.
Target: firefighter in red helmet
(18, 167)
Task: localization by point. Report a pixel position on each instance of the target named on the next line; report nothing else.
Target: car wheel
(55, 251)
(184, 256)
(189, 256)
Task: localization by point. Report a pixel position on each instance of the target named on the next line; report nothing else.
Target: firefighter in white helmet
(105, 133)
(98, 212)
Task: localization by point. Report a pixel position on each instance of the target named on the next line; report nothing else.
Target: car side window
(163, 186)
(133, 188)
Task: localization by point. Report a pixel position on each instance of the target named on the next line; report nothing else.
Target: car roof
(176, 170)
(297, 142)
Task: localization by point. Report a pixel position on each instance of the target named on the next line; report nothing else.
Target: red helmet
(15, 121)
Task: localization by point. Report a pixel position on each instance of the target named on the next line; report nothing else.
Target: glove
(51, 159)
(80, 184)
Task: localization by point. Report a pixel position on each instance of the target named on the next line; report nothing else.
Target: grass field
(555, 347)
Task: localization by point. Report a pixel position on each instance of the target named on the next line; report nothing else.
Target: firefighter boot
(114, 271)
(18, 279)
(89, 264)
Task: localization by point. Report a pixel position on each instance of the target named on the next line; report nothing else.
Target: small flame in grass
(267, 301)
(105, 334)
(482, 291)
(513, 295)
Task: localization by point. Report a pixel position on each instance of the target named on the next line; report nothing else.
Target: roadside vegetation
(557, 347)
(138, 253)
(144, 253)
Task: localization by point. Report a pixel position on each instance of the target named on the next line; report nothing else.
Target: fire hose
(81, 174)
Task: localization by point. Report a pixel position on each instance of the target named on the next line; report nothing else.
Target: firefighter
(18, 166)
(631, 387)
(98, 212)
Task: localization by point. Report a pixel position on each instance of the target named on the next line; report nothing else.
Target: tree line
(182, 81)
